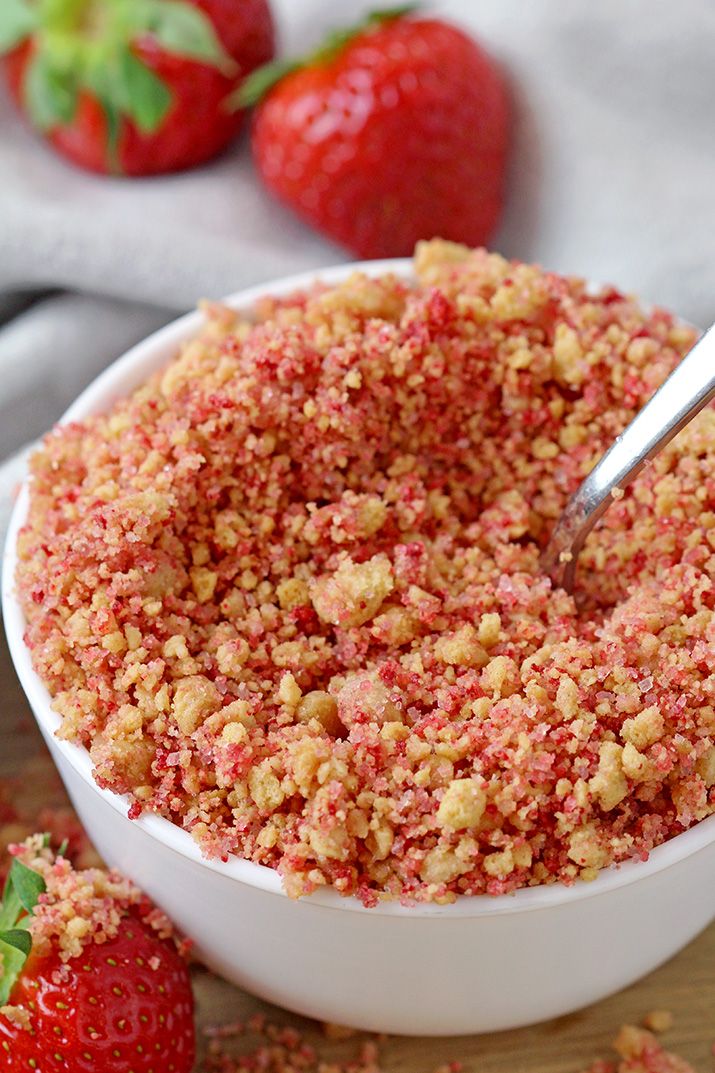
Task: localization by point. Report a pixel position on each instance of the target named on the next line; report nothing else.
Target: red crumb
(288, 593)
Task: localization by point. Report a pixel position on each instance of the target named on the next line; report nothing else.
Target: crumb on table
(260, 1044)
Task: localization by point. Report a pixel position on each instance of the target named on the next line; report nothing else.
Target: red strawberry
(393, 133)
(138, 86)
(123, 1004)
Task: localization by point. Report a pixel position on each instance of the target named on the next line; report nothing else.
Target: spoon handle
(689, 388)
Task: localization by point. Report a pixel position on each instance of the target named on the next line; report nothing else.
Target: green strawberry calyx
(78, 45)
(20, 897)
(264, 78)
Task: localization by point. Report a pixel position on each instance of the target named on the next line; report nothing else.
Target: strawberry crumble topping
(288, 592)
(81, 906)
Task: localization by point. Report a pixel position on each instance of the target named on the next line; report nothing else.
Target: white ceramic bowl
(478, 965)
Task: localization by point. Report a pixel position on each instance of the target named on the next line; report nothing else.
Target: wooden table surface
(686, 985)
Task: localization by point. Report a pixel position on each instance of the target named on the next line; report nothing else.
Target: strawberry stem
(264, 78)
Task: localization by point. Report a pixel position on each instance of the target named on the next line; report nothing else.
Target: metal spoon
(689, 388)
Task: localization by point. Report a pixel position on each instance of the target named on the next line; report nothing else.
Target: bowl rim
(123, 376)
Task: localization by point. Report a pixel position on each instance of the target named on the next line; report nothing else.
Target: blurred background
(611, 176)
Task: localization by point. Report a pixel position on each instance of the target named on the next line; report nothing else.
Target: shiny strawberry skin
(199, 124)
(108, 1009)
(403, 135)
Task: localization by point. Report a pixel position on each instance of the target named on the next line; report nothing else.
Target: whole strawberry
(391, 133)
(133, 87)
(91, 979)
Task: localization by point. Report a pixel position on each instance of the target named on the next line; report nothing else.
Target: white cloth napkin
(613, 178)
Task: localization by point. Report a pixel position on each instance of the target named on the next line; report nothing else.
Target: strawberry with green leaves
(91, 978)
(133, 87)
(394, 131)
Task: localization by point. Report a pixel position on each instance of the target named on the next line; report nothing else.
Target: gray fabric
(59, 335)
(12, 473)
(612, 178)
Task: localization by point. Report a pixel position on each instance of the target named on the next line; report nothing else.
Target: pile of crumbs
(81, 906)
(279, 1049)
(288, 592)
(640, 1052)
